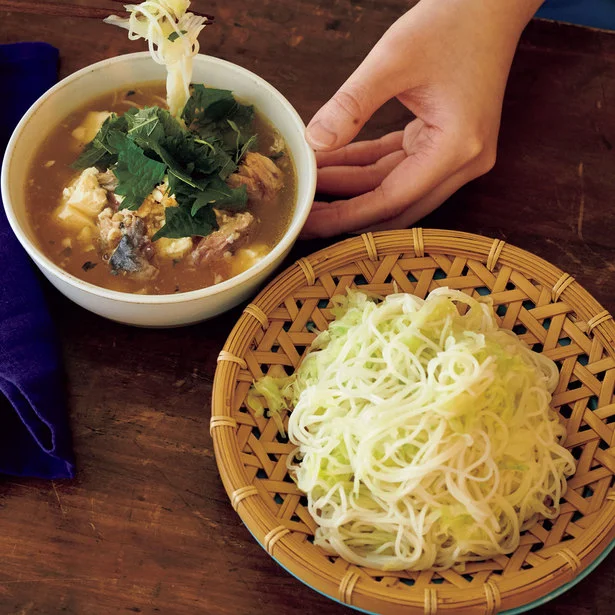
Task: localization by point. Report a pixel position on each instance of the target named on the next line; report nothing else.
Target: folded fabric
(34, 432)
(595, 13)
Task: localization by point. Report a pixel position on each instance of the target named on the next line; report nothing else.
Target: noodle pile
(425, 437)
(172, 34)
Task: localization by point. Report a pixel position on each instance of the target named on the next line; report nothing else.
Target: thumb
(339, 120)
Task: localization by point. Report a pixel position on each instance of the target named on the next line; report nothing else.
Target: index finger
(362, 153)
(420, 173)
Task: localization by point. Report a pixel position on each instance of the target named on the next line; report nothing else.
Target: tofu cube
(85, 194)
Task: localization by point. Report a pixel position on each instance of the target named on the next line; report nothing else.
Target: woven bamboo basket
(545, 306)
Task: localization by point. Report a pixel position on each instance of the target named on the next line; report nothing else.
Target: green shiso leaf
(195, 155)
(180, 223)
(99, 152)
(219, 195)
(175, 35)
(137, 174)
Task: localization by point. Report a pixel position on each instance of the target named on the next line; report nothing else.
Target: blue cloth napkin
(34, 432)
(595, 13)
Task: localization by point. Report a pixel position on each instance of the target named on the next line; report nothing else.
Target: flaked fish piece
(126, 235)
(107, 180)
(109, 228)
(234, 231)
(260, 175)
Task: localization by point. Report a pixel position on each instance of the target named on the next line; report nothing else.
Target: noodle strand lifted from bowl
(425, 436)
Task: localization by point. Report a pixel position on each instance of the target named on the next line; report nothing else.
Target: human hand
(447, 61)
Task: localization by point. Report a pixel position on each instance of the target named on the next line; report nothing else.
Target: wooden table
(146, 526)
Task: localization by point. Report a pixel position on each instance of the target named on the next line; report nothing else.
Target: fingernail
(319, 136)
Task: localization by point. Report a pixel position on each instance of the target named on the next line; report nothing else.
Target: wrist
(517, 12)
(523, 10)
(512, 15)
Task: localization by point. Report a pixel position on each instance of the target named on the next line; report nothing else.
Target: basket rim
(412, 243)
(514, 611)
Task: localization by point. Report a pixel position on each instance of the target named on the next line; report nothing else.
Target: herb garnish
(143, 146)
(175, 35)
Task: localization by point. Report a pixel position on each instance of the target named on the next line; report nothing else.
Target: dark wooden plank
(55, 9)
(146, 526)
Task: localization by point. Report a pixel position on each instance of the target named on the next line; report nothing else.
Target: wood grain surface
(146, 526)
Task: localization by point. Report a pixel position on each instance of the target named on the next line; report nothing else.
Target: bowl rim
(48, 266)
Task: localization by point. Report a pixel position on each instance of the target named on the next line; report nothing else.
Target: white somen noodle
(425, 437)
(172, 33)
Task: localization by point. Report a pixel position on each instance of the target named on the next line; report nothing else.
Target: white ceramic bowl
(126, 71)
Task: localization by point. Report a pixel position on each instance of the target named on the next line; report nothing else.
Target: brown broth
(48, 179)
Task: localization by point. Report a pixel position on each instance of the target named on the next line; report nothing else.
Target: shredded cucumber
(425, 438)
